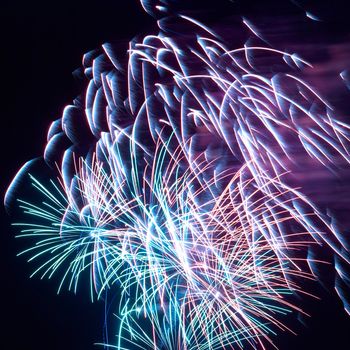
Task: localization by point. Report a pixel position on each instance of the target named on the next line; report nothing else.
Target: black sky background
(41, 44)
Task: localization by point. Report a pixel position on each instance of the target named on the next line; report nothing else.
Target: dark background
(41, 44)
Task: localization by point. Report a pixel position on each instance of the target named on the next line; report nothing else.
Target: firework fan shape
(176, 187)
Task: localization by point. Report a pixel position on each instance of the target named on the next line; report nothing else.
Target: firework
(178, 252)
(177, 189)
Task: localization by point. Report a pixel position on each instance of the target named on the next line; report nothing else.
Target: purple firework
(181, 184)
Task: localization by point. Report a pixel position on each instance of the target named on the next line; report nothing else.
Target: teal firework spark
(199, 270)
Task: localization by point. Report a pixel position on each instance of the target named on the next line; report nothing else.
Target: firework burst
(177, 191)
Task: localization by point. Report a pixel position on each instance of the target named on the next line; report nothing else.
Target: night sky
(42, 44)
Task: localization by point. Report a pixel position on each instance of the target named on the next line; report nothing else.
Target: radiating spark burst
(205, 271)
(178, 189)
